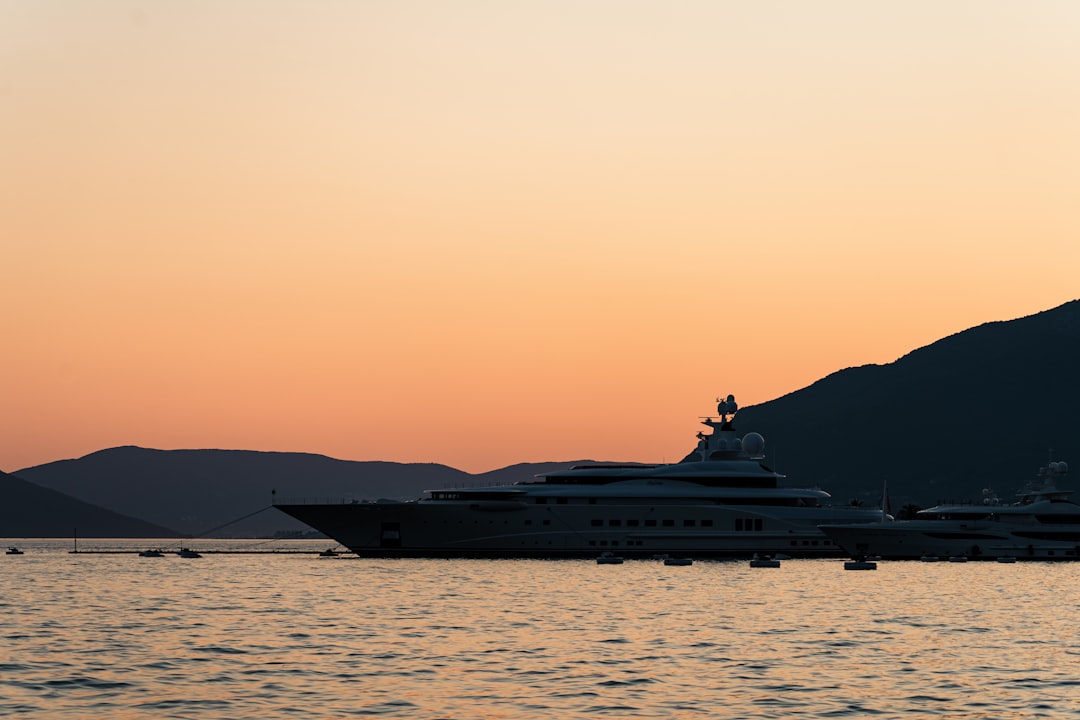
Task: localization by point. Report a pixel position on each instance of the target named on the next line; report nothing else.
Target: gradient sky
(481, 233)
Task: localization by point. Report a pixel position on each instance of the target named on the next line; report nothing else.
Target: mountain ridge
(983, 407)
(66, 516)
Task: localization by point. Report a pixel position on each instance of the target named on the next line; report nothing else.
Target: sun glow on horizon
(480, 234)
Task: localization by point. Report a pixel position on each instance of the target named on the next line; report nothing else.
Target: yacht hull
(430, 529)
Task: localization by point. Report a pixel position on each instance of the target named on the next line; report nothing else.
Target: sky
(479, 233)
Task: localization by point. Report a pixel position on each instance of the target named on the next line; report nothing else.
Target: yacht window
(597, 522)
(706, 523)
(614, 523)
(650, 522)
(689, 523)
(541, 501)
(547, 522)
(561, 501)
(631, 523)
(669, 523)
(757, 523)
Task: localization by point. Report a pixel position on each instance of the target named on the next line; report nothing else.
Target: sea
(272, 630)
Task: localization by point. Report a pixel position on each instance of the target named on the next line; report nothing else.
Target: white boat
(721, 500)
(1043, 523)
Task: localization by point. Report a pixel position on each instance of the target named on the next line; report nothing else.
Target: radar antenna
(726, 406)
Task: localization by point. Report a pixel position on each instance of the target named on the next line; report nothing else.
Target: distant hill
(28, 510)
(983, 408)
(199, 491)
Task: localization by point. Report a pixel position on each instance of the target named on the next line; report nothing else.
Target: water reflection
(300, 636)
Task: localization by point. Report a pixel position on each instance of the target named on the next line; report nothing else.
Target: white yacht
(719, 501)
(1043, 523)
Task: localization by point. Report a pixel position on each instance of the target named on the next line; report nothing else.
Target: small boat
(609, 558)
(188, 553)
(764, 561)
(329, 552)
(678, 561)
(958, 558)
(151, 553)
(929, 558)
(1006, 559)
(860, 564)
(14, 551)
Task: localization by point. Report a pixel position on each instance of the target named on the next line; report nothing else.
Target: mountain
(984, 408)
(214, 491)
(32, 511)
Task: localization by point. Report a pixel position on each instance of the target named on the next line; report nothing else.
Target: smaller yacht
(1043, 523)
(13, 551)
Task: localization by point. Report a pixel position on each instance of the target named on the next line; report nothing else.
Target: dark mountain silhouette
(983, 408)
(28, 510)
(199, 491)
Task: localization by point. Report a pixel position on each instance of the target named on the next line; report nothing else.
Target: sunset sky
(481, 233)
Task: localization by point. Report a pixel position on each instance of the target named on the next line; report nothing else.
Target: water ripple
(280, 636)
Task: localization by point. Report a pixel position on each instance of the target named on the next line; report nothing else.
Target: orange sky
(480, 233)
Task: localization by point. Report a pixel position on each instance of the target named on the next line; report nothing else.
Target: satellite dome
(753, 443)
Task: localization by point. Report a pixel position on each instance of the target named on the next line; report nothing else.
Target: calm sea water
(297, 636)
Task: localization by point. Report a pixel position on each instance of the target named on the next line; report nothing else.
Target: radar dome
(753, 443)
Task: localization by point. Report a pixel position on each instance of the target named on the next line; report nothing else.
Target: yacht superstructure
(721, 500)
